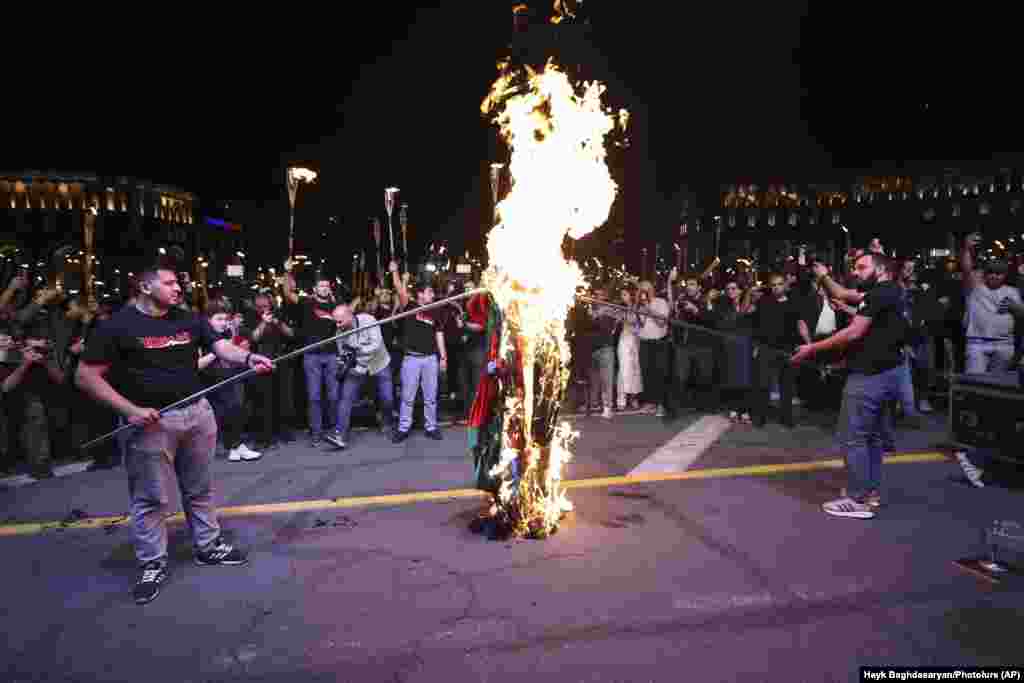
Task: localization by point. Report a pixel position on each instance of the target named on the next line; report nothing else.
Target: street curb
(19, 480)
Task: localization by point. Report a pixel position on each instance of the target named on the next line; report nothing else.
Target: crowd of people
(883, 330)
(874, 343)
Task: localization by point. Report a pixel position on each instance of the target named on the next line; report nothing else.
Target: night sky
(730, 92)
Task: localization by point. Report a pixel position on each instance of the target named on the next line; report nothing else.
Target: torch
(496, 169)
(295, 177)
(375, 222)
(403, 219)
(88, 237)
(389, 206)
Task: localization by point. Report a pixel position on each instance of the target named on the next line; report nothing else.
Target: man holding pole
(151, 347)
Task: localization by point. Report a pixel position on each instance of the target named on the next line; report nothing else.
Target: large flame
(560, 185)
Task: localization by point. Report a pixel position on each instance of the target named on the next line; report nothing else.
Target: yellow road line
(29, 528)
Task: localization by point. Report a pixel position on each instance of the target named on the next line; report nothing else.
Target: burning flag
(560, 184)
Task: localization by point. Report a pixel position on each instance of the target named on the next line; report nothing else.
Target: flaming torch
(560, 185)
(295, 177)
(389, 206)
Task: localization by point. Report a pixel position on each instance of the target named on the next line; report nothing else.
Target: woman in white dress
(630, 381)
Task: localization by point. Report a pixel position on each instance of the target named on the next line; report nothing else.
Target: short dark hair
(151, 272)
(215, 308)
(996, 266)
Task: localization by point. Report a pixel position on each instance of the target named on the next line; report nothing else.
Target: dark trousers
(267, 398)
(697, 362)
(472, 366)
(229, 408)
(654, 366)
(769, 368)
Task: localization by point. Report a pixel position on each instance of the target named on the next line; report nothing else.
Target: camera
(346, 361)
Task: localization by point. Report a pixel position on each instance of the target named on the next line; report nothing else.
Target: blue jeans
(350, 392)
(906, 390)
(320, 366)
(417, 370)
(864, 413)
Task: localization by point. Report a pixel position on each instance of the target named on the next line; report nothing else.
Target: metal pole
(291, 233)
(690, 326)
(288, 356)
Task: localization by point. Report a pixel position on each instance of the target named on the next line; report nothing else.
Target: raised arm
(967, 263)
(836, 290)
(400, 289)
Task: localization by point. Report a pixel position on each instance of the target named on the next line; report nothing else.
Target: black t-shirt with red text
(153, 361)
(318, 324)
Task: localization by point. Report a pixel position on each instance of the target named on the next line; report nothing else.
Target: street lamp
(295, 177)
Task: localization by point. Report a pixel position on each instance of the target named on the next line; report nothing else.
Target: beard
(868, 284)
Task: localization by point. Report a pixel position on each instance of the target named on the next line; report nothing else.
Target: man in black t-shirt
(273, 391)
(425, 358)
(776, 326)
(150, 350)
(320, 364)
(874, 342)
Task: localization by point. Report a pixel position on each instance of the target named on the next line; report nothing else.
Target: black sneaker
(314, 441)
(41, 472)
(434, 434)
(220, 553)
(334, 438)
(399, 436)
(154, 573)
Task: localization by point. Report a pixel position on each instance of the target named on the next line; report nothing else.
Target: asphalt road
(364, 569)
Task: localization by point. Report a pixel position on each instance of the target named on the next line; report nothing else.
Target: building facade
(43, 214)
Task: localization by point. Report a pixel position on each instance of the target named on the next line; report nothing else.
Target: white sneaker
(925, 406)
(774, 396)
(660, 412)
(847, 507)
(797, 401)
(972, 473)
(607, 413)
(243, 452)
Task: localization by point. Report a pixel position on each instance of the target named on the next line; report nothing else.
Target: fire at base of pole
(522, 449)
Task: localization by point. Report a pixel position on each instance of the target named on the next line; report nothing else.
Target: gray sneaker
(973, 473)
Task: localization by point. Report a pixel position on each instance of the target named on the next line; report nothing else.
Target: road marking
(19, 480)
(30, 528)
(685, 447)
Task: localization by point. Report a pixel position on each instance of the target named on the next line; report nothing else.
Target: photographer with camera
(361, 355)
(30, 390)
